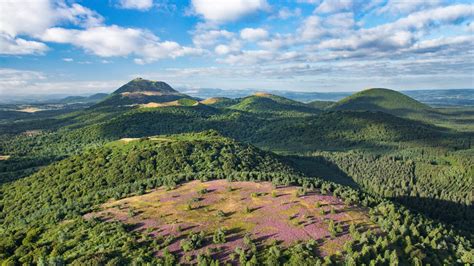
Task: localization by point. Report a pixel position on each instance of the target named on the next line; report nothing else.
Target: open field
(266, 214)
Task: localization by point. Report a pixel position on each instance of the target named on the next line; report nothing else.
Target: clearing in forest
(283, 215)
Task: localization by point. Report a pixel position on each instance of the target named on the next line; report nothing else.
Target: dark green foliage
(193, 241)
(442, 190)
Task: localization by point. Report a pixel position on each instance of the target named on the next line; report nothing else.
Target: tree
(273, 256)
(219, 236)
(393, 258)
(332, 229)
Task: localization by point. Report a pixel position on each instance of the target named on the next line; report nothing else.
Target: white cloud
(229, 10)
(232, 47)
(286, 13)
(206, 38)
(78, 15)
(136, 4)
(277, 42)
(19, 46)
(252, 57)
(402, 7)
(470, 27)
(33, 18)
(68, 60)
(312, 28)
(11, 78)
(341, 20)
(110, 41)
(253, 34)
(332, 6)
(19, 17)
(400, 34)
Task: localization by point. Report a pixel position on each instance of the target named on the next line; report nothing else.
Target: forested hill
(265, 103)
(71, 186)
(381, 100)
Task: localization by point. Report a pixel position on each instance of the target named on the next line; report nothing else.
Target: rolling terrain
(88, 185)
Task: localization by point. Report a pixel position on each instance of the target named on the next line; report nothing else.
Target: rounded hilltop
(141, 85)
(382, 100)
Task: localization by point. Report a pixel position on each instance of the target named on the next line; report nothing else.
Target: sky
(88, 46)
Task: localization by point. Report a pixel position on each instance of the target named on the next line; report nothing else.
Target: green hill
(142, 91)
(220, 102)
(382, 100)
(71, 186)
(264, 103)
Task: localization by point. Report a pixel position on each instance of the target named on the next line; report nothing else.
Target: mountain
(142, 91)
(382, 100)
(84, 99)
(265, 103)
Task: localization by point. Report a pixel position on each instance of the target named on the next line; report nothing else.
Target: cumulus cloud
(229, 10)
(312, 28)
(401, 33)
(19, 46)
(109, 41)
(36, 16)
(206, 38)
(33, 19)
(136, 4)
(253, 34)
(232, 47)
(40, 20)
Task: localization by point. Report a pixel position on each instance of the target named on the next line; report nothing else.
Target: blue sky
(83, 47)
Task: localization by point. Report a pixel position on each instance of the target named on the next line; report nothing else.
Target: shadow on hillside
(459, 215)
(318, 166)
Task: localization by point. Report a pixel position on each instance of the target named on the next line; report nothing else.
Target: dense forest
(413, 174)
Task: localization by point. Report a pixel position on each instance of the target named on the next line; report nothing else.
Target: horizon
(82, 47)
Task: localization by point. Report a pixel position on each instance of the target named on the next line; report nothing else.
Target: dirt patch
(262, 94)
(155, 105)
(212, 100)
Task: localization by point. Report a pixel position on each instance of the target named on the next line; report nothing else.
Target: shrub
(219, 236)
